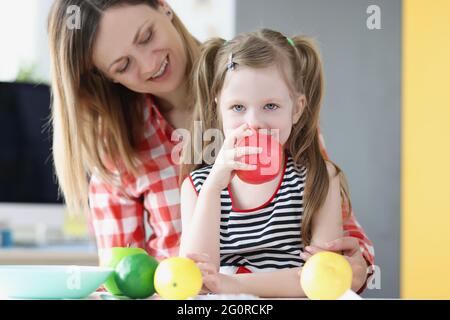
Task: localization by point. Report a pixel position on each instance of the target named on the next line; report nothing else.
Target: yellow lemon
(177, 278)
(326, 276)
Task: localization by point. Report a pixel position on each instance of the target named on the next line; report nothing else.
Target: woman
(120, 88)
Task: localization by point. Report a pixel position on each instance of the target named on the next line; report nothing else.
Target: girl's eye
(238, 107)
(271, 106)
(124, 68)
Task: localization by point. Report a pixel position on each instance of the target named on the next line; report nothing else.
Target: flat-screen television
(26, 164)
(29, 199)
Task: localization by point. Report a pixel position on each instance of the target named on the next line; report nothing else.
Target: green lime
(111, 258)
(134, 276)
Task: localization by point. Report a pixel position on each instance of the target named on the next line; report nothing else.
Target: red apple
(268, 162)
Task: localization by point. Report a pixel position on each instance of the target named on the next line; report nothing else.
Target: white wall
(23, 37)
(23, 30)
(207, 18)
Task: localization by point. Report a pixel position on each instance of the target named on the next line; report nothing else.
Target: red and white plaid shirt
(119, 214)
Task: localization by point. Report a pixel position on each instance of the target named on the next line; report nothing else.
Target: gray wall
(361, 110)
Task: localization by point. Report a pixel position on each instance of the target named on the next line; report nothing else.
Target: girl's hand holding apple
(226, 161)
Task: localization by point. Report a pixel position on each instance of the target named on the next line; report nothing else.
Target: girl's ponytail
(203, 73)
(310, 73)
(204, 110)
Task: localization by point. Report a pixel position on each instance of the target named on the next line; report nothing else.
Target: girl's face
(140, 48)
(260, 98)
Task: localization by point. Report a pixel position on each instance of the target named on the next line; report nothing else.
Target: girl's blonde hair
(301, 65)
(93, 128)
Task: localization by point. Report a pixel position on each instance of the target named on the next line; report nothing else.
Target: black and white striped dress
(264, 238)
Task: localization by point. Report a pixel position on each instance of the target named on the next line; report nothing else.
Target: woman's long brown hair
(93, 128)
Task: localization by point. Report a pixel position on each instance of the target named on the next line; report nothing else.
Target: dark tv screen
(26, 164)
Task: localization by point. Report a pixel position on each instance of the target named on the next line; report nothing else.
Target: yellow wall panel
(425, 261)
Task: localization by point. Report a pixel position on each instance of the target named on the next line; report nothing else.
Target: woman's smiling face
(139, 47)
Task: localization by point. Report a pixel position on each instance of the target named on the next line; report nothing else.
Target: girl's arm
(200, 219)
(201, 216)
(283, 283)
(327, 221)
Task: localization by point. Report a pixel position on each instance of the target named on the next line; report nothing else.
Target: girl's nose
(255, 121)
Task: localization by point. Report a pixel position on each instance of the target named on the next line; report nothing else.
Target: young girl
(250, 238)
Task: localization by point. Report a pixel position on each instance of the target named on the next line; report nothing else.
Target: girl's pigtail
(310, 73)
(317, 184)
(203, 75)
(204, 106)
